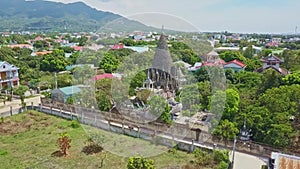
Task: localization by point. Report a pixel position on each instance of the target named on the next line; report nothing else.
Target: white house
(9, 76)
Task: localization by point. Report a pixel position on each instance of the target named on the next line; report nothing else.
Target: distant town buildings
(213, 59)
(23, 46)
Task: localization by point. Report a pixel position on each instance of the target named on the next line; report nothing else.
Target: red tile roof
(77, 48)
(218, 62)
(280, 70)
(38, 38)
(42, 53)
(239, 63)
(20, 46)
(103, 76)
(118, 46)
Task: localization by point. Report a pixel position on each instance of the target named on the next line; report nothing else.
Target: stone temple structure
(162, 59)
(163, 74)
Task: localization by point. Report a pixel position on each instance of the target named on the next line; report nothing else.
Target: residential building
(235, 65)
(41, 53)
(77, 48)
(62, 94)
(283, 161)
(9, 75)
(23, 46)
(118, 46)
(272, 62)
(139, 49)
(212, 59)
(227, 49)
(103, 76)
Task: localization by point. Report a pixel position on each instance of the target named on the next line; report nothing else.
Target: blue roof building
(62, 94)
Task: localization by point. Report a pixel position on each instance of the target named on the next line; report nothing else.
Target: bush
(75, 124)
(197, 152)
(140, 163)
(223, 165)
(3, 152)
(221, 155)
(203, 158)
(264, 167)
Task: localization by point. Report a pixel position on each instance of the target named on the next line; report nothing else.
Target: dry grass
(29, 141)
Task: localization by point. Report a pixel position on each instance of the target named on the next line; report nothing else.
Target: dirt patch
(92, 148)
(57, 154)
(29, 121)
(11, 127)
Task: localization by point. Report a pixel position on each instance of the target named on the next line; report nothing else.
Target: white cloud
(210, 15)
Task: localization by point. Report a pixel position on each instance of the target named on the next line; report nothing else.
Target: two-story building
(9, 76)
(272, 62)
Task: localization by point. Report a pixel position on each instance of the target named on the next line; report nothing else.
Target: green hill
(39, 15)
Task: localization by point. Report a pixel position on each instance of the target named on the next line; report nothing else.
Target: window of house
(3, 66)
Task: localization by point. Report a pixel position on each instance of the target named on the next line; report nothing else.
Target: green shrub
(264, 167)
(3, 152)
(221, 155)
(223, 165)
(197, 152)
(75, 124)
(140, 163)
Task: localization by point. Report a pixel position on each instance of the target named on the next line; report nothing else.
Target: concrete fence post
(123, 129)
(11, 111)
(138, 132)
(192, 146)
(31, 105)
(40, 107)
(172, 130)
(108, 125)
(51, 110)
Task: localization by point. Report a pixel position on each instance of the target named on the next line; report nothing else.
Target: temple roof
(162, 58)
(212, 53)
(280, 70)
(271, 57)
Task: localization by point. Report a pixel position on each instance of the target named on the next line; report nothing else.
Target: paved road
(16, 103)
(246, 161)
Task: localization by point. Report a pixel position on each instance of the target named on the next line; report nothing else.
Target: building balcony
(15, 78)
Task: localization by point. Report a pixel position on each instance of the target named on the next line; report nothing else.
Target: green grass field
(28, 140)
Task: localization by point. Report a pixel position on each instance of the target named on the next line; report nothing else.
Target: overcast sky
(260, 16)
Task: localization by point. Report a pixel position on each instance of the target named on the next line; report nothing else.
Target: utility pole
(55, 80)
(233, 152)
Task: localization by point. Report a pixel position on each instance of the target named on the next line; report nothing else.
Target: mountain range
(40, 15)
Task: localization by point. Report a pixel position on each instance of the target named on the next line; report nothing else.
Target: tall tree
(270, 78)
(20, 90)
(226, 130)
(231, 105)
(109, 63)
